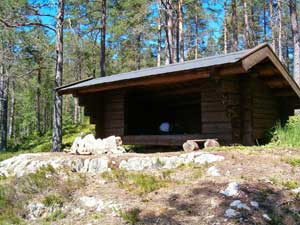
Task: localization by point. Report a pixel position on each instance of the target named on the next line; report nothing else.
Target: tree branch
(7, 24)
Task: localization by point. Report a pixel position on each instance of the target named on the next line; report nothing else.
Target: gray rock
(231, 213)
(213, 172)
(36, 210)
(254, 204)
(231, 190)
(239, 205)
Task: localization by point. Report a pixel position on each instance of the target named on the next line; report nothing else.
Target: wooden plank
(167, 140)
(208, 128)
(214, 117)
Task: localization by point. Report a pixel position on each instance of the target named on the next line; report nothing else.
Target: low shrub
(288, 135)
(140, 183)
(52, 200)
(130, 216)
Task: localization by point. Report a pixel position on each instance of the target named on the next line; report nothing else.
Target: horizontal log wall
(215, 121)
(265, 109)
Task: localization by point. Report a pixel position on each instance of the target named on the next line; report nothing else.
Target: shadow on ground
(203, 204)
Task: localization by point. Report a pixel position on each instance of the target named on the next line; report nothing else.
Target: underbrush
(15, 193)
(137, 182)
(42, 143)
(288, 135)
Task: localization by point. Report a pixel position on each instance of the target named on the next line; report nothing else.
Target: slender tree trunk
(159, 34)
(167, 52)
(38, 100)
(265, 21)
(196, 35)
(3, 108)
(296, 45)
(139, 46)
(103, 35)
(225, 27)
(180, 31)
(247, 27)
(57, 112)
(272, 25)
(76, 111)
(234, 26)
(177, 42)
(280, 31)
(11, 120)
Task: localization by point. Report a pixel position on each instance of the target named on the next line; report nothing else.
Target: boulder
(90, 145)
(211, 143)
(231, 190)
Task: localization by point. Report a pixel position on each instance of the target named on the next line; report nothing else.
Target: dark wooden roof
(233, 63)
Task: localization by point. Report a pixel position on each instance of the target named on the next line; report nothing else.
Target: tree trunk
(265, 21)
(57, 114)
(159, 34)
(3, 108)
(103, 34)
(296, 45)
(234, 26)
(38, 101)
(169, 30)
(225, 27)
(247, 27)
(196, 35)
(280, 31)
(139, 46)
(272, 25)
(76, 111)
(180, 31)
(11, 120)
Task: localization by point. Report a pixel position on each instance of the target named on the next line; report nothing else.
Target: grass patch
(97, 216)
(288, 135)
(130, 216)
(290, 184)
(54, 216)
(140, 183)
(15, 193)
(292, 161)
(52, 200)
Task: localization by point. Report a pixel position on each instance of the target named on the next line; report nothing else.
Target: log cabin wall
(216, 122)
(266, 110)
(106, 111)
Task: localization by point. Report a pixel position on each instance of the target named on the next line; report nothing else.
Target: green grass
(293, 161)
(130, 216)
(291, 184)
(288, 135)
(36, 143)
(140, 183)
(15, 193)
(54, 216)
(52, 200)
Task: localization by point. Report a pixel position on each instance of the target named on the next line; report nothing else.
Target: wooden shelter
(234, 97)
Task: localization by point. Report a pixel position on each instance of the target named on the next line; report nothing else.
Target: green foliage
(54, 216)
(36, 143)
(290, 184)
(16, 192)
(52, 200)
(130, 216)
(288, 135)
(293, 161)
(140, 183)
(33, 183)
